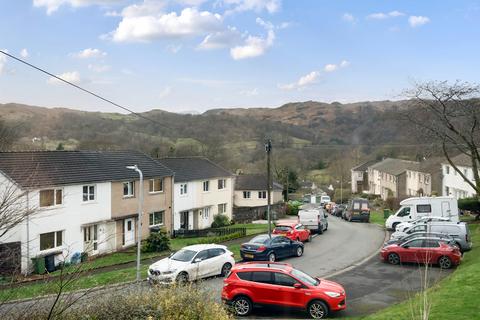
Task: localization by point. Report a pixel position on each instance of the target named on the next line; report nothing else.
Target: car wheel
(182, 278)
(393, 258)
(445, 262)
(242, 306)
(299, 251)
(326, 227)
(298, 239)
(320, 229)
(271, 257)
(350, 219)
(394, 226)
(318, 309)
(226, 269)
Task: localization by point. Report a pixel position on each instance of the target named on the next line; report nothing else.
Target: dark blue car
(265, 248)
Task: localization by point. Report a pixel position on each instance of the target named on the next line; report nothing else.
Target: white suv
(192, 263)
(405, 225)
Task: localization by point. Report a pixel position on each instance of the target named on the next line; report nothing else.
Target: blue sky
(194, 55)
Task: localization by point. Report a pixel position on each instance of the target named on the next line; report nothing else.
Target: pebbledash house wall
(69, 217)
(124, 207)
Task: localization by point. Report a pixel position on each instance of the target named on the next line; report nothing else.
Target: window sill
(47, 252)
(90, 202)
(156, 225)
(58, 206)
(128, 197)
(156, 192)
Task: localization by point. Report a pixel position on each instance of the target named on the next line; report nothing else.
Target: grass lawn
(253, 228)
(455, 297)
(376, 216)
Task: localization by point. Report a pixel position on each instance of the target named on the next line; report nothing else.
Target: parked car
(423, 250)
(339, 209)
(405, 225)
(329, 206)
(280, 284)
(458, 231)
(265, 248)
(414, 235)
(358, 209)
(293, 231)
(192, 263)
(316, 220)
(324, 200)
(414, 208)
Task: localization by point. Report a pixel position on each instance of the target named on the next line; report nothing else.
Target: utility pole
(341, 189)
(287, 187)
(268, 150)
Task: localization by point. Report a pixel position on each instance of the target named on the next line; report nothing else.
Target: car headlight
(332, 294)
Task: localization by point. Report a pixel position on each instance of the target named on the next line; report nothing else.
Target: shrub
(293, 207)
(169, 303)
(220, 220)
(470, 204)
(392, 203)
(157, 242)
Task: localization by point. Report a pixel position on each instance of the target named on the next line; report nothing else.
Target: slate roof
(254, 182)
(33, 169)
(194, 168)
(461, 160)
(396, 166)
(364, 166)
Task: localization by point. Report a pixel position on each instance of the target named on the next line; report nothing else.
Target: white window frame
(151, 183)
(88, 194)
(223, 206)
(206, 186)
(262, 194)
(222, 184)
(55, 204)
(55, 240)
(206, 212)
(131, 190)
(183, 189)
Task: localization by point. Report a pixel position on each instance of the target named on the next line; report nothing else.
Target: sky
(195, 55)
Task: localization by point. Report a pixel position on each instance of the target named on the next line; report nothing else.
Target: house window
(262, 194)
(222, 184)
(447, 170)
(129, 189)
(447, 191)
(246, 194)
(222, 208)
(206, 212)
(155, 185)
(88, 193)
(183, 188)
(156, 218)
(51, 197)
(427, 179)
(51, 240)
(206, 185)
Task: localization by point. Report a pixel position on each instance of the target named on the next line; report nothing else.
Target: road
(346, 253)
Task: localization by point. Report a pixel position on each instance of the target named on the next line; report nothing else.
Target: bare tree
(448, 115)
(14, 207)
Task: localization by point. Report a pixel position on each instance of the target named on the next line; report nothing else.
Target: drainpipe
(28, 232)
(172, 205)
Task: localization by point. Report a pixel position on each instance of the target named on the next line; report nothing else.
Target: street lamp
(268, 150)
(139, 225)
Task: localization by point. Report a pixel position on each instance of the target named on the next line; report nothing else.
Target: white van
(313, 219)
(414, 208)
(324, 200)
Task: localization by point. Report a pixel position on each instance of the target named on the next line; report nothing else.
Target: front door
(90, 239)
(129, 231)
(184, 220)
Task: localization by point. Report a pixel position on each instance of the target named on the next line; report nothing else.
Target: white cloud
(89, 53)
(137, 27)
(3, 61)
(98, 67)
(250, 93)
(221, 39)
(383, 16)
(348, 17)
(254, 46)
(165, 92)
(271, 6)
(313, 76)
(24, 53)
(172, 48)
(417, 21)
(54, 5)
(73, 77)
(330, 67)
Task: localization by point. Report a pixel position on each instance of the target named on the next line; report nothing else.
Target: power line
(80, 88)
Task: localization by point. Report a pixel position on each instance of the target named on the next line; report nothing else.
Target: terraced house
(82, 201)
(202, 190)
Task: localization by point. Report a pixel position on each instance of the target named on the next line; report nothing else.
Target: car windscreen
(305, 278)
(283, 228)
(183, 255)
(260, 239)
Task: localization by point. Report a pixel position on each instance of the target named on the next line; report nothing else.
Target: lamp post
(139, 225)
(268, 150)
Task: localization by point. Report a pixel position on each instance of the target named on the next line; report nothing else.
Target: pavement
(346, 253)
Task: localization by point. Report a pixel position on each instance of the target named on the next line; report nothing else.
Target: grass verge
(453, 298)
(376, 216)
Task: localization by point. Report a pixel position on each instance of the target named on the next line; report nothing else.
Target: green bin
(38, 265)
(386, 213)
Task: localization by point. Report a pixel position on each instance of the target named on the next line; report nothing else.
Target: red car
(264, 283)
(292, 230)
(423, 250)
